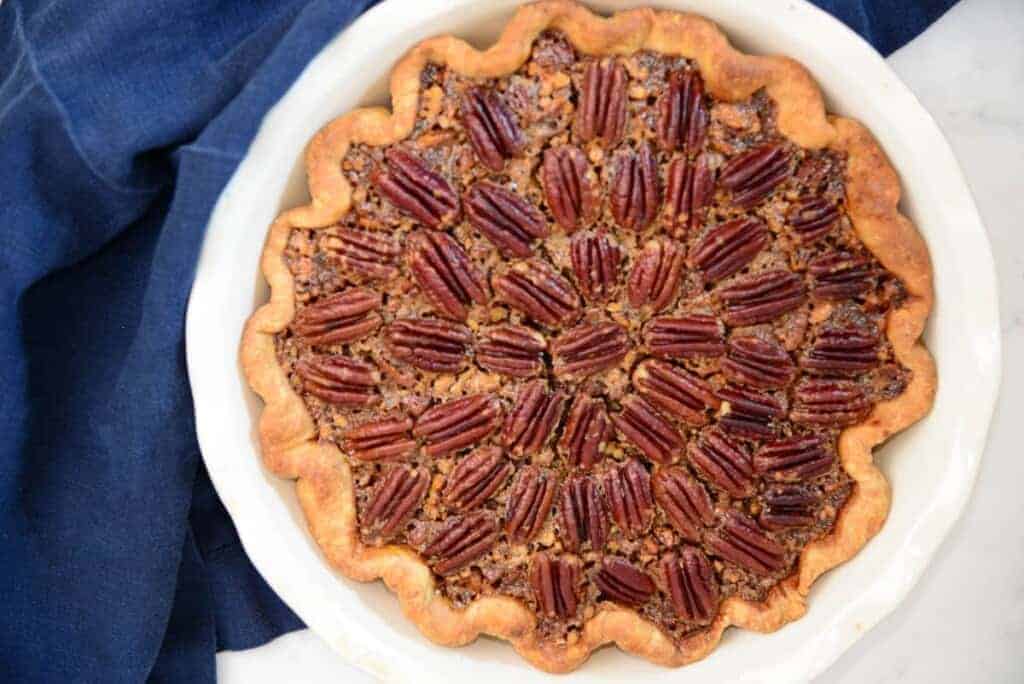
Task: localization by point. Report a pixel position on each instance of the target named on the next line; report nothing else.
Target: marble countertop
(965, 619)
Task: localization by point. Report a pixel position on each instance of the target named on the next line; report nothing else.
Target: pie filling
(589, 335)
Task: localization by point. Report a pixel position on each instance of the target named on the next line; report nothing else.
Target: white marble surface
(964, 622)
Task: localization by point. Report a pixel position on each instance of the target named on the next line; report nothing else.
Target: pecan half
(691, 185)
(339, 380)
(536, 289)
(755, 362)
(762, 297)
(529, 503)
(384, 438)
(448, 279)
(621, 581)
(839, 275)
(602, 109)
(368, 255)
(675, 391)
(628, 491)
(742, 542)
(829, 403)
(794, 459)
(656, 274)
(648, 430)
(728, 247)
(457, 424)
(812, 218)
(842, 351)
(595, 261)
(589, 348)
(749, 413)
(416, 189)
(723, 462)
(583, 514)
(692, 585)
(788, 506)
(395, 500)
(586, 427)
(461, 541)
(429, 344)
(681, 337)
(343, 317)
(682, 114)
(492, 127)
(686, 503)
(476, 477)
(554, 581)
(753, 175)
(532, 419)
(636, 188)
(505, 218)
(570, 186)
(512, 350)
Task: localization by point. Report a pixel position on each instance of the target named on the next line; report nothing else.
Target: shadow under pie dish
(590, 339)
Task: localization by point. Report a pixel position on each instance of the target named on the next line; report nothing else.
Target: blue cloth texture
(120, 123)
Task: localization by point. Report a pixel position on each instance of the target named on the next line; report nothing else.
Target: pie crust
(288, 434)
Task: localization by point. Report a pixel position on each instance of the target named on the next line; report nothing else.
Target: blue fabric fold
(120, 123)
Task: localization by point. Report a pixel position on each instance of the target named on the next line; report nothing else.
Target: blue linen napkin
(120, 123)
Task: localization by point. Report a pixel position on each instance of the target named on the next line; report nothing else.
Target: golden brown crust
(287, 431)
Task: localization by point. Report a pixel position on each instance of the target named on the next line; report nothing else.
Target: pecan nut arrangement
(596, 348)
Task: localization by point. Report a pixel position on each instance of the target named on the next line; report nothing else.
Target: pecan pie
(590, 340)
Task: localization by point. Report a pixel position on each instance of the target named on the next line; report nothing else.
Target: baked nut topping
(537, 290)
(395, 500)
(794, 459)
(648, 430)
(753, 175)
(444, 272)
(554, 582)
(344, 317)
(363, 254)
(505, 218)
(588, 349)
(570, 186)
(339, 380)
(416, 189)
(430, 344)
(529, 503)
(532, 419)
(595, 262)
(621, 581)
(680, 337)
(691, 185)
(462, 541)
(728, 247)
(457, 424)
(691, 584)
(585, 428)
(675, 391)
(584, 514)
(741, 541)
(602, 110)
(577, 343)
(655, 278)
(476, 477)
(628, 489)
(513, 350)
(636, 189)
(491, 127)
(682, 114)
(686, 503)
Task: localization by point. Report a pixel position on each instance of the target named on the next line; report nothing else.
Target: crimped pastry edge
(323, 479)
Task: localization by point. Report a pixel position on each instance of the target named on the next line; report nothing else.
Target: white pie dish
(931, 466)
